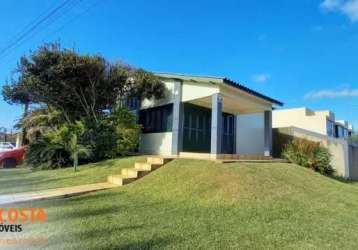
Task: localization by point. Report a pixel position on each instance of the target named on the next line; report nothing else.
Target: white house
(209, 116)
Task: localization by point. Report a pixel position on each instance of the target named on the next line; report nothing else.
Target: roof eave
(252, 92)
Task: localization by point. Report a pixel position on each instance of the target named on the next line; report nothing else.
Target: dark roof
(250, 91)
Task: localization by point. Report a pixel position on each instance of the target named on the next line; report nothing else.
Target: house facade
(206, 115)
(322, 122)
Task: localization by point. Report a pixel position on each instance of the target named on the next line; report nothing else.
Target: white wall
(192, 91)
(250, 134)
(302, 118)
(156, 143)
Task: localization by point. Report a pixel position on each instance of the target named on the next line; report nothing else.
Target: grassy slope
(24, 179)
(197, 204)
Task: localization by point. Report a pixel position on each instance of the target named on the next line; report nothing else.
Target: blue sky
(304, 53)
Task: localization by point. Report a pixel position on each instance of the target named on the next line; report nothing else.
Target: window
(346, 134)
(330, 128)
(156, 120)
(131, 103)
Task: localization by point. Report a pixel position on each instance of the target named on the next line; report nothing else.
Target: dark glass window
(340, 131)
(330, 128)
(197, 125)
(131, 103)
(156, 120)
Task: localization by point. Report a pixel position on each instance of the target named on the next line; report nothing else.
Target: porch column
(268, 133)
(236, 130)
(177, 135)
(216, 123)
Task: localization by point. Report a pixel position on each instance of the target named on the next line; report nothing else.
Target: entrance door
(197, 129)
(228, 134)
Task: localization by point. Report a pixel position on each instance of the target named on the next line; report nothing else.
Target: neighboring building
(350, 130)
(322, 122)
(208, 115)
(343, 129)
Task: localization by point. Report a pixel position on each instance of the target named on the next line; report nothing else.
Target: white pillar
(268, 133)
(216, 123)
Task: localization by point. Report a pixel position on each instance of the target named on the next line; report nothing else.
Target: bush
(111, 135)
(44, 154)
(309, 154)
(114, 135)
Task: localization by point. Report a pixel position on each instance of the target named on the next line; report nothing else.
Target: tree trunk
(24, 133)
(75, 161)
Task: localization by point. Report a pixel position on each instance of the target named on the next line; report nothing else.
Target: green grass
(25, 179)
(197, 204)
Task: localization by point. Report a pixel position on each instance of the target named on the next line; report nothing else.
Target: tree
(80, 86)
(40, 121)
(68, 136)
(17, 94)
(77, 99)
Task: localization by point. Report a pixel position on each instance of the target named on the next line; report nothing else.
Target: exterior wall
(339, 148)
(250, 134)
(302, 118)
(353, 158)
(192, 91)
(156, 143)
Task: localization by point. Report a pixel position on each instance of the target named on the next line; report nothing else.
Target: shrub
(309, 154)
(44, 154)
(113, 135)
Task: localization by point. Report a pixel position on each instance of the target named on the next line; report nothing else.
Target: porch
(222, 127)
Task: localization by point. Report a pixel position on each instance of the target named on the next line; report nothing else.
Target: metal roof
(225, 81)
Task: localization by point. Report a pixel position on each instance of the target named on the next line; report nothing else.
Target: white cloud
(347, 7)
(350, 8)
(330, 93)
(331, 4)
(261, 77)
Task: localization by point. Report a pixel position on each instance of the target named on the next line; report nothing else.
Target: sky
(303, 53)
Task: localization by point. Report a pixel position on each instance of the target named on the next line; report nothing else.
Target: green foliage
(309, 154)
(114, 135)
(44, 154)
(40, 121)
(354, 138)
(78, 97)
(67, 136)
(80, 86)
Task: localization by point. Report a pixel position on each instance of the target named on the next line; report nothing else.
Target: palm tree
(40, 121)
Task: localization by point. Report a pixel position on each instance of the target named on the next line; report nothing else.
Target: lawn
(25, 179)
(197, 204)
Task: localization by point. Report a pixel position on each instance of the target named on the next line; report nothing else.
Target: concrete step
(157, 160)
(146, 166)
(120, 180)
(134, 172)
(128, 172)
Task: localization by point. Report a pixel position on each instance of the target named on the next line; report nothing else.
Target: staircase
(139, 170)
